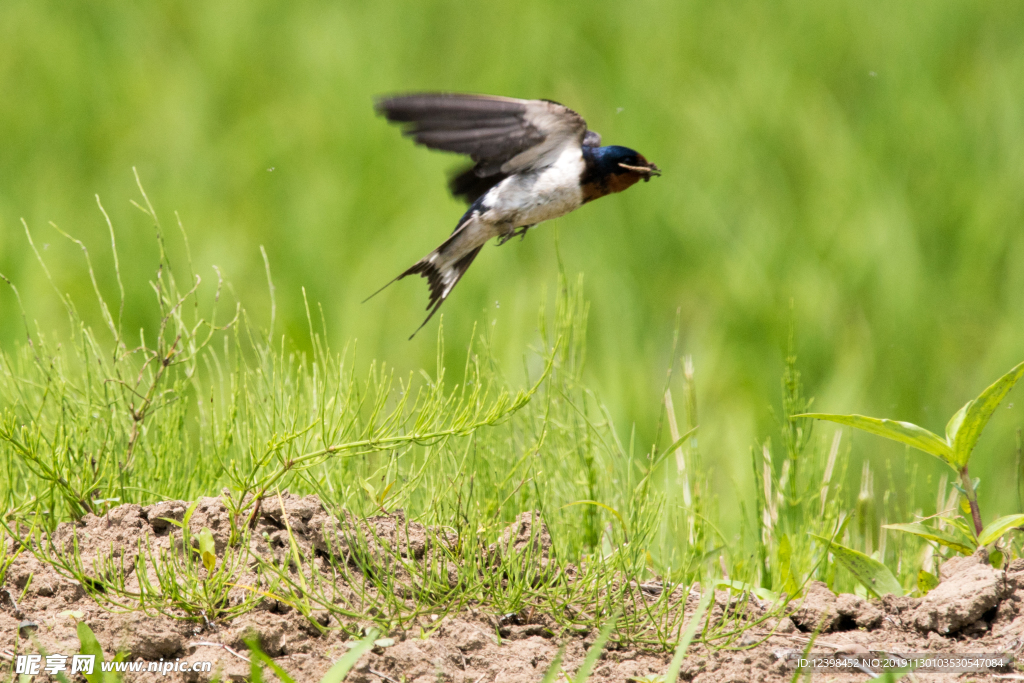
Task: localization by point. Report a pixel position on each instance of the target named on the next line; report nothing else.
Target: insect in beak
(645, 171)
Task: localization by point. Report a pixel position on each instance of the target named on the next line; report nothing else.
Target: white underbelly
(530, 198)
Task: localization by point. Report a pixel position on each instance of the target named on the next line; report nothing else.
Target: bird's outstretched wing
(502, 135)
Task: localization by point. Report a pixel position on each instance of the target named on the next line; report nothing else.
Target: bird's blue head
(617, 159)
(613, 169)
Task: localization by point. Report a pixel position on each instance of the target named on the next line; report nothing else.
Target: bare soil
(975, 609)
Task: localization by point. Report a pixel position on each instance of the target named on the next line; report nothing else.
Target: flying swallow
(533, 160)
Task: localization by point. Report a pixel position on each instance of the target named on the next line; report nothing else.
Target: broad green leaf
(903, 432)
(958, 544)
(207, 549)
(90, 646)
(872, 574)
(964, 528)
(953, 426)
(672, 673)
(113, 676)
(583, 673)
(926, 581)
(979, 411)
(337, 673)
(995, 529)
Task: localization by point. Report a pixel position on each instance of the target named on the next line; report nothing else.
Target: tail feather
(438, 267)
(440, 280)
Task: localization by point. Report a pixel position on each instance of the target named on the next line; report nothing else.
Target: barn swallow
(533, 160)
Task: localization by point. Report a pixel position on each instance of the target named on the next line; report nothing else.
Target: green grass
(211, 403)
(863, 163)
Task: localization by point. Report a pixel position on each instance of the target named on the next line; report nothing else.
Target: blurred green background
(855, 168)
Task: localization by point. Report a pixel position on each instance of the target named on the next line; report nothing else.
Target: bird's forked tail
(442, 268)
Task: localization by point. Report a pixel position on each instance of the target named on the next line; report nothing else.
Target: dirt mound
(822, 609)
(972, 598)
(970, 590)
(974, 609)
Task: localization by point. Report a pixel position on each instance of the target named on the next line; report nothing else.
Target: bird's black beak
(646, 171)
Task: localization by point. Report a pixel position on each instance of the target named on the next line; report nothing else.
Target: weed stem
(972, 500)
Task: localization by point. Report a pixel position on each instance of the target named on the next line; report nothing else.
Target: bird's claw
(520, 231)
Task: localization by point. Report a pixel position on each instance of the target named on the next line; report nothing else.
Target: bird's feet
(520, 231)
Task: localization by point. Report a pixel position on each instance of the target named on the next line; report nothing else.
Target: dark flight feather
(483, 127)
(435, 281)
(492, 131)
(468, 185)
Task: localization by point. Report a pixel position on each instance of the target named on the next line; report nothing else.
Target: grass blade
(595, 650)
(258, 658)
(552, 673)
(672, 673)
(674, 445)
(337, 673)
